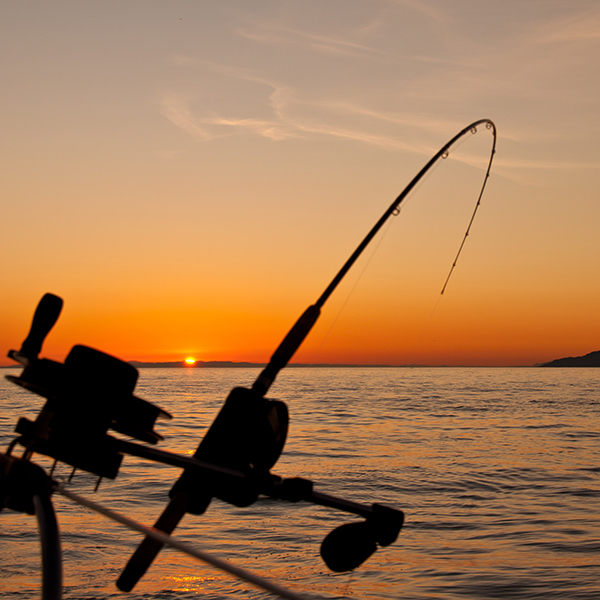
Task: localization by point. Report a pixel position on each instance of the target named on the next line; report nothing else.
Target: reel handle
(46, 315)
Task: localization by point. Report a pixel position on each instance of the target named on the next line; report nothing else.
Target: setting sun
(190, 361)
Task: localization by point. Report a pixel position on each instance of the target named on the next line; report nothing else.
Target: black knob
(46, 314)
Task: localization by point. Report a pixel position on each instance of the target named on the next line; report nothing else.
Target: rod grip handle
(287, 349)
(146, 552)
(46, 315)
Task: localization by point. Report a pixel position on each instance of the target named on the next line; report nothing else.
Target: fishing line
(381, 238)
(488, 125)
(421, 337)
(396, 213)
(355, 285)
(168, 540)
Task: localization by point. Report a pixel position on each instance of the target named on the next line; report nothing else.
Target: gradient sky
(189, 176)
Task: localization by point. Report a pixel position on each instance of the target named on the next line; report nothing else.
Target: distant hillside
(226, 364)
(197, 365)
(589, 360)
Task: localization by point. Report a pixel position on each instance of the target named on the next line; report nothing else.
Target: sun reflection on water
(190, 583)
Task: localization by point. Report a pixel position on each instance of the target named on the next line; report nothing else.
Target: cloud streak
(580, 28)
(272, 34)
(296, 117)
(176, 108)
(525, 70)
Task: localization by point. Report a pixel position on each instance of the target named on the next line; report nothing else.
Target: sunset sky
(189, 177)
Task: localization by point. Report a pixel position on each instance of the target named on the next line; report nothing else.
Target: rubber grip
(146, 552)
(46, 315)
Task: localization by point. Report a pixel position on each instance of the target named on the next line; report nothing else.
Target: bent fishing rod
(92, 392)
(229, 443)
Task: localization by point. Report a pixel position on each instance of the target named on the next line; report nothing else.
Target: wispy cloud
(292, 115)
(520, 77)
(176, 108)
(324, 116)
(549, 165)
(273, 34)
(582, 27)
(419, 6)
(268, 129)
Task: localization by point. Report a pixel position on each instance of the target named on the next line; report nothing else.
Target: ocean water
(496, 469)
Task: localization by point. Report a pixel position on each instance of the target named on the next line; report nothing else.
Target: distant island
(589, 360)
(228, 364)
(197, 364)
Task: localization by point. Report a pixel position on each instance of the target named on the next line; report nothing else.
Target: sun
(190, 361)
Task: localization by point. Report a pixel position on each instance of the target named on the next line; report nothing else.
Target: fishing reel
(92, 393)
(88, 394)
(248, 435)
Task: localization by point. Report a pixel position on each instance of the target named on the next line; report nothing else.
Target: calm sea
(497, 471)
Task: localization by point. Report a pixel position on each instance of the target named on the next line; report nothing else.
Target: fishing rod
(93, 392)
(246, 410)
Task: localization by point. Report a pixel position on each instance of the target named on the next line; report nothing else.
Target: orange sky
(190, 176)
